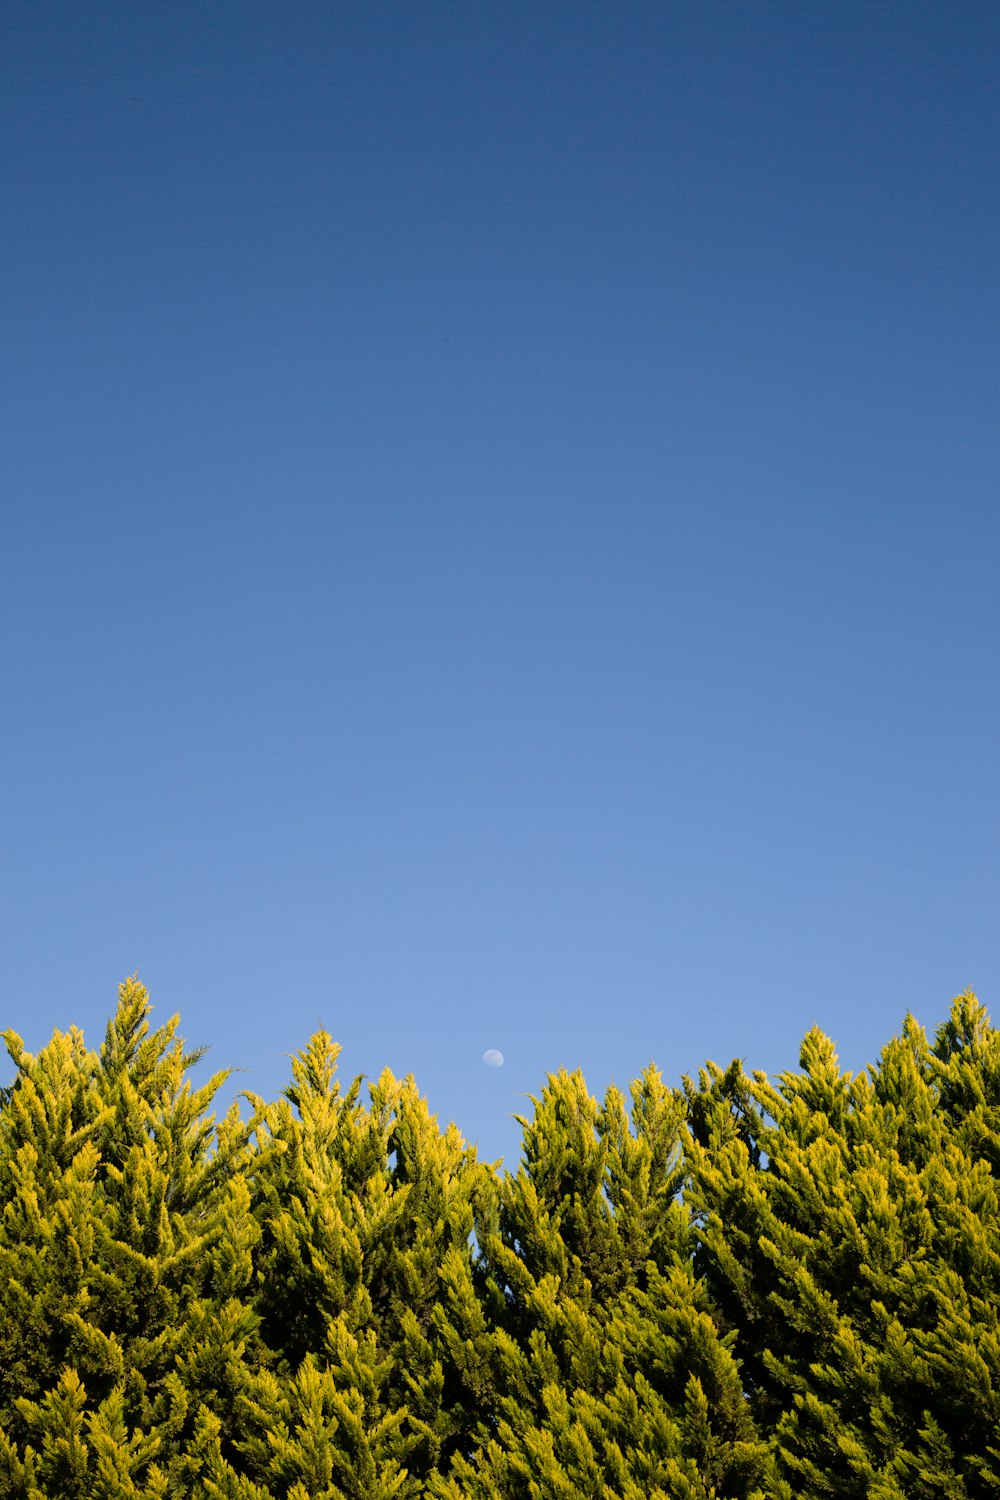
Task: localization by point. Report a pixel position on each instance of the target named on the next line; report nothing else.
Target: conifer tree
(854, 1249)
(124, 1245)
(610, 1375)
(742, 1290)
(361, 1208)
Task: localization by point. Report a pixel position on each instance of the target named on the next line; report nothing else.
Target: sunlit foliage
(732, 1290)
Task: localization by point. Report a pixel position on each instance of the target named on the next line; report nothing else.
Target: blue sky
(501, 534)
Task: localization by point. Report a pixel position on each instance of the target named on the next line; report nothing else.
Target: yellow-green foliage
(734, 1290)
(851, 1238)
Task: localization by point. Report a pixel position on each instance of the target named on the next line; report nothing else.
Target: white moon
(492, 1058)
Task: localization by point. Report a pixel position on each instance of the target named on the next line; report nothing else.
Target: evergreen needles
(736, 1289)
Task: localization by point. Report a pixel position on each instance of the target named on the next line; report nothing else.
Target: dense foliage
(735, 1289)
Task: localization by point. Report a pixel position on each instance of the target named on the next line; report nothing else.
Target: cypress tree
(124, 1244)
(364, 1210)
(609, 1372)
(739, 1290)
(850, 1237)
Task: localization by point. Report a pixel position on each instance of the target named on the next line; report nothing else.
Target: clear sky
(501, 532)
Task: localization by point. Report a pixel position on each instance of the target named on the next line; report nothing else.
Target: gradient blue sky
(500, 538)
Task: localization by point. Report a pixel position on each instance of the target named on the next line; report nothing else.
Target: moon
(493, 1058)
